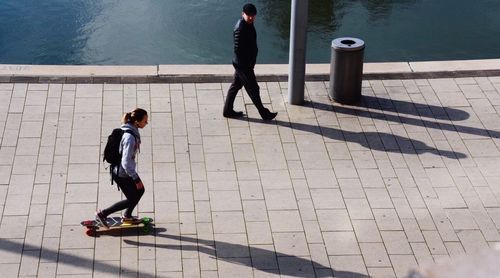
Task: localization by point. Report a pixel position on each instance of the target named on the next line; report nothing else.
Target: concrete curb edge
(223, 73)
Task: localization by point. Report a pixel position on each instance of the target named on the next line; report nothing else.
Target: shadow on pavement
(262, 259)
(373, 140)
(444, 113)
(412, 108)
(63, 258)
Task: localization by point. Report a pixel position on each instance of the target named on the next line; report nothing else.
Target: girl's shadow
(261, 259)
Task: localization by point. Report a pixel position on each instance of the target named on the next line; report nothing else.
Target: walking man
(245, 57)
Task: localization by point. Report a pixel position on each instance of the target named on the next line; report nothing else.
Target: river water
(125, 32)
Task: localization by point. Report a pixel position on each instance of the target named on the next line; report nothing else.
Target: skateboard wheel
(90, 232)
(146, 229)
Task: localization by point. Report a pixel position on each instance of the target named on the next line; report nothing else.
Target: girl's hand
(139, 185)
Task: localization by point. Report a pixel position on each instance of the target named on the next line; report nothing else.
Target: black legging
(133, 195)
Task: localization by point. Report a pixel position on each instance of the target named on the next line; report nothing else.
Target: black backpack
(112, 153)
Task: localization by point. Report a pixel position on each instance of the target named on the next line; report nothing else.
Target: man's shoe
(269, 116)
(233, 114)
(101, 219)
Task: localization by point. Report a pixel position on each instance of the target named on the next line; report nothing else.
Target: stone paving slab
(406, 179)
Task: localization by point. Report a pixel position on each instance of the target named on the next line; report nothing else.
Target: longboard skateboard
(93, 226)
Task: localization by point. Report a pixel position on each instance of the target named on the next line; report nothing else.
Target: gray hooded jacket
(129, 147)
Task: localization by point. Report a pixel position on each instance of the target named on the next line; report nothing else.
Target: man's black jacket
(245, 45)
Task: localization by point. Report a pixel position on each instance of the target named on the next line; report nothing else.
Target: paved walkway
(408, 178)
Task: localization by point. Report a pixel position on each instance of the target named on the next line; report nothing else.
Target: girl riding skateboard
(125, 173)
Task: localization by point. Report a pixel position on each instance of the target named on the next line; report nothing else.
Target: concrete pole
(298, 39)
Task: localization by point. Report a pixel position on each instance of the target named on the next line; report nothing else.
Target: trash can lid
(348, 44)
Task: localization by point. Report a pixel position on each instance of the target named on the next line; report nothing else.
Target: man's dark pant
(245, 78)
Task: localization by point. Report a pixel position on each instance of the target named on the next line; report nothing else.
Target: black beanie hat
(249, 9)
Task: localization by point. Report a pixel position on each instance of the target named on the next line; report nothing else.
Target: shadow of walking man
(372, 140)
(252, 257)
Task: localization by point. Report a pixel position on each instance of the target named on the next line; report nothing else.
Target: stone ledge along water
(223, 73)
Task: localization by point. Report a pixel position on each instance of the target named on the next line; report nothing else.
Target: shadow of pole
(262, 259)
(412, 108)
(65, 258)
(410, 121)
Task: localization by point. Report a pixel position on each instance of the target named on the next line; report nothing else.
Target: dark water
(200, 31)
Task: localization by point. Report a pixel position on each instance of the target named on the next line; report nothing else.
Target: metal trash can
(346, 70)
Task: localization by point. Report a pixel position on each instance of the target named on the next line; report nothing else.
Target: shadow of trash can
(346, 70)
